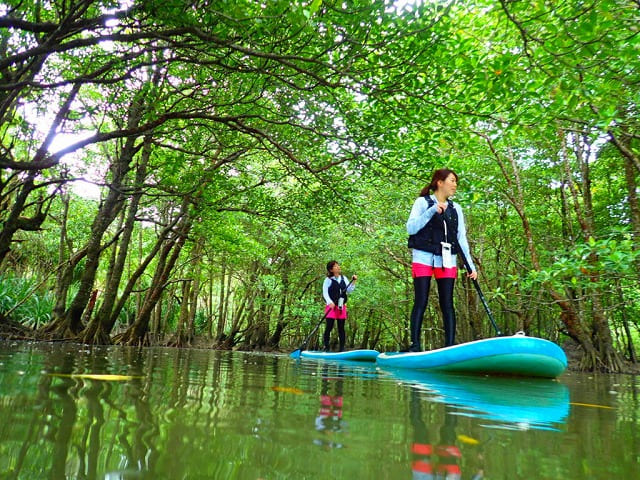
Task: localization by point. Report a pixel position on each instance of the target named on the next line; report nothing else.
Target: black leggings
(445, 296)
(327, 333)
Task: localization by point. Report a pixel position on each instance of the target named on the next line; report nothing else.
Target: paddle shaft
(477, 286)
(306, 340)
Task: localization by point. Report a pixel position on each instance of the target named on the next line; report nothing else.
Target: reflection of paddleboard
(515, 355)
(520, 403)
(354, 355)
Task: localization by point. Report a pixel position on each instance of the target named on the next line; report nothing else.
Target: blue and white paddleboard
(353, 355)
(514, 355)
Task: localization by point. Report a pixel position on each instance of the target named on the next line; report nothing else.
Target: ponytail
(440, 174)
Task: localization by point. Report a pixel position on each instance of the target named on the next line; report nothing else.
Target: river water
(78, 412)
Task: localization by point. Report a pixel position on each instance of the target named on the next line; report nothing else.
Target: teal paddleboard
(353, 355)
(513, 355)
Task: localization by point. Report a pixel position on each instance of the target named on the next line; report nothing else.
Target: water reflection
(211, 415)
(329, 422)
(132, 451)
(510, 403)
(79, 426)
(440, 457)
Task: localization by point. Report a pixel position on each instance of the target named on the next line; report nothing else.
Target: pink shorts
(335, 312)
(421, 270)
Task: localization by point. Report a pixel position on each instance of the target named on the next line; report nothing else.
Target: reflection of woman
(440, 461)
(421, 448)
(334, 291)
(447, 453)
(436, 233)
(329, 419)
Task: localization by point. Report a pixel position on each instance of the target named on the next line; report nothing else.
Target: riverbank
(10, 330)
(574, 356)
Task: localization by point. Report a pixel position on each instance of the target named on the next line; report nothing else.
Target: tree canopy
(234, 147)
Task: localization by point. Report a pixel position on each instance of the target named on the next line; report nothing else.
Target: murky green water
(194, 414)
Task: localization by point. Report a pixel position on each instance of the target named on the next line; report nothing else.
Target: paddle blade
(295, 354)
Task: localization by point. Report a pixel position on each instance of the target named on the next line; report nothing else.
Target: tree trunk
(136, 333)
(196, 264)
(181, 337)
(65, 272)
(107, 212)
(625, 324)
(55, 328)
(101, 326)
(230, 339)
(222, 307)
(607, 358)
(631, 174)
(274, 340)
(210, 313)
(185, 332)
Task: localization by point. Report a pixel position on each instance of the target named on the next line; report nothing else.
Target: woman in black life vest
(436, 233)
(334, 291)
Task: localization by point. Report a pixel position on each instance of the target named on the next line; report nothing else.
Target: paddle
(482, 299)
(296, 353)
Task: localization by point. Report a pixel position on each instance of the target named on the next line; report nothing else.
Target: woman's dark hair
(440, 174)
(330, 267)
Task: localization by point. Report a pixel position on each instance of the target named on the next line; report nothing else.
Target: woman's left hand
(473, 275)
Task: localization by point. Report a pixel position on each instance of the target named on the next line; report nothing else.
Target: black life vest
(428, 238)
(337, 290)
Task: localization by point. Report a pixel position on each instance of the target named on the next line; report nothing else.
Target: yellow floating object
(468, 440)
(97, 376)
(295, 391)
(591, 405)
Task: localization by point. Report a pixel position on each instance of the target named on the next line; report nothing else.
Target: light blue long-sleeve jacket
(420, 216)
(327, 283)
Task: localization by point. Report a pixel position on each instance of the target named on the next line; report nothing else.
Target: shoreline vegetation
(10, 331)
